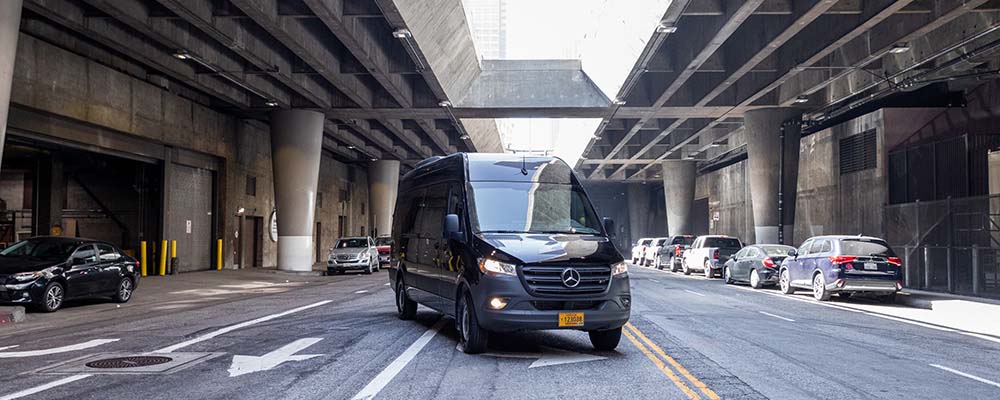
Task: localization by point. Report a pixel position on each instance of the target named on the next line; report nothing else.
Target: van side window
(455, 205)
(410, 202)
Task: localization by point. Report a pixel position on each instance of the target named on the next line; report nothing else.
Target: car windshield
(865, 247)
(777, 251)
(40, 248)
(531, 207)
(723, 243)
(683, 240)
(383, 241)
(346, 243)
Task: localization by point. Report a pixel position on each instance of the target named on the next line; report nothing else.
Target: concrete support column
(10, 23)
(296, 149)
(638, 211)
(383, 185)
(678, 192)
(763, 130)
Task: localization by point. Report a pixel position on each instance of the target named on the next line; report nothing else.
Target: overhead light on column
(899, 48)
(182, 54)
(665, 27)
(351, 147)
(402, 34)
(464, 137)
(374, 159)
(271, 103)
(801, 99)
(445, 104)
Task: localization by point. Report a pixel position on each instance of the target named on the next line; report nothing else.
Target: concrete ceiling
(714, 59)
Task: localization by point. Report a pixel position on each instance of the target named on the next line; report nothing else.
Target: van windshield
(527, 207)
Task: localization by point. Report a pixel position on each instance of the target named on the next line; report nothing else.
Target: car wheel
(52, 297)
(685, 268)
(819, 288)
(642, 261)
(125, 289)
(727, 275)
(755, 279)
(606, 340)
(369, 269)
(472, 337)
(656, 262)
(406, 308)
(709, 274)
(889, 298)
(785, 283)
(673, 265)
(844, 295)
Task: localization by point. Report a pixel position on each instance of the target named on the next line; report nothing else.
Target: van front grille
(546, 280)
(549, 305)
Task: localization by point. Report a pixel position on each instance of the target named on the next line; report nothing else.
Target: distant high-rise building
(488, 22)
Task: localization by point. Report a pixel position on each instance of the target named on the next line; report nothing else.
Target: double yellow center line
(638, 338)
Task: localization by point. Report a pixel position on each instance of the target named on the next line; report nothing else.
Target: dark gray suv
(506, 243)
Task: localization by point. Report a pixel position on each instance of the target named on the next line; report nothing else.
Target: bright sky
(607, 35)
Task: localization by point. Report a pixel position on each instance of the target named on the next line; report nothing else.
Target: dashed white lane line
(55, 350)
(168, 349)
(383, 378)
(776, 316)
(694, 292)
(655, 280)
(42, 388)
(970, 376)
(361, 291)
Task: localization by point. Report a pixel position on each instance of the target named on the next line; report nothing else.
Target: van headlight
(619, 268)
(493, 267)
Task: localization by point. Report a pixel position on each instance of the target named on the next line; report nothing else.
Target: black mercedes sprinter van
(504, 243)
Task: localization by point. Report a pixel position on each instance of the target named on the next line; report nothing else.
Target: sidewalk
(170, 293)
(968, 314)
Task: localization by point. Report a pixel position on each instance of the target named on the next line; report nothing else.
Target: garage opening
(48, 189)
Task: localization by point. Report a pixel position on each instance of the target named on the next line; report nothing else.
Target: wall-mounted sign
(274, 225)
(715, 216)
(187, 227)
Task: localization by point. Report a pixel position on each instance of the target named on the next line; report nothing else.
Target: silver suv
(354, 253)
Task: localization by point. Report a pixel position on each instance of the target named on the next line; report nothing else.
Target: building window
(251, 185)
(858, 152)
(341, 226)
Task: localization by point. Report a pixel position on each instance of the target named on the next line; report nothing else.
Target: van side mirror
(451, 228)
(609, 226)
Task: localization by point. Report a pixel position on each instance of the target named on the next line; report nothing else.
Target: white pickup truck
(709, 253)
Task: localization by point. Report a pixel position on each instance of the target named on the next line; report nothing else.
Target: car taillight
(895, 261)
(677, 250)
(715, 254)
(843, 260)
(768, 262)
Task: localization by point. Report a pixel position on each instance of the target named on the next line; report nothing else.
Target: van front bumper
(608, 310)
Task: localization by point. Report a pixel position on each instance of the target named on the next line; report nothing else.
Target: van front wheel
(472, 337)
(606, 340)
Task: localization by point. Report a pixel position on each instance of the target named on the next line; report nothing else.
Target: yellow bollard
(163, 258)
(142, 257)
(218, 255)
(173, 257)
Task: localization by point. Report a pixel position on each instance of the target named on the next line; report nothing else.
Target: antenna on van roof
(524, 165)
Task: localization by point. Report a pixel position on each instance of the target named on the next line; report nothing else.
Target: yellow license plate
(570, 319)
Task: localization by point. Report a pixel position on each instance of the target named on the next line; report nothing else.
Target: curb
(11, 315)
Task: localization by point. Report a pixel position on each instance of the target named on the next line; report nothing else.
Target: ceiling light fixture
(182, 55)
(665, 27)
(801, 99)
(351, 147)
(464, 137)
(271, 103)
(402, 33)
(445, 104)
(899, 48)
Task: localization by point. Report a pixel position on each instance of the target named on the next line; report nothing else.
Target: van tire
(472, 338)
(606, 340)
(406, 308)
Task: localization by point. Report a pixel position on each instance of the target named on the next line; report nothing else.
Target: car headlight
(619, 268)
(26, 276)
(493, 267)
(363, 255)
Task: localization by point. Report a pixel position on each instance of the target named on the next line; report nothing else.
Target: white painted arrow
(549, 357)
(54, 350)
(249, 364)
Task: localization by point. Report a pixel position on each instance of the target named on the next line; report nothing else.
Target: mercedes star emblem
(570, 277)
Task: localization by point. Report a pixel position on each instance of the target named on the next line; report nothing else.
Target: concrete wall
(60, 83)
(827, 202)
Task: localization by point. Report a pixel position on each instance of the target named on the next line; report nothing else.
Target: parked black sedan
(756, 264)
(43, 272)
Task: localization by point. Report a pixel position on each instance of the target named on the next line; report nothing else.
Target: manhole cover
(129, 362)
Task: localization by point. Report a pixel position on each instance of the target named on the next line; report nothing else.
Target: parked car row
(825, 265)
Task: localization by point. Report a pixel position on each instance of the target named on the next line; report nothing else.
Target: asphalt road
(688, 338)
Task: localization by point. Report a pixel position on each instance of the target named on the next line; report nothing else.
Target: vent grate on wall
(858, 152)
